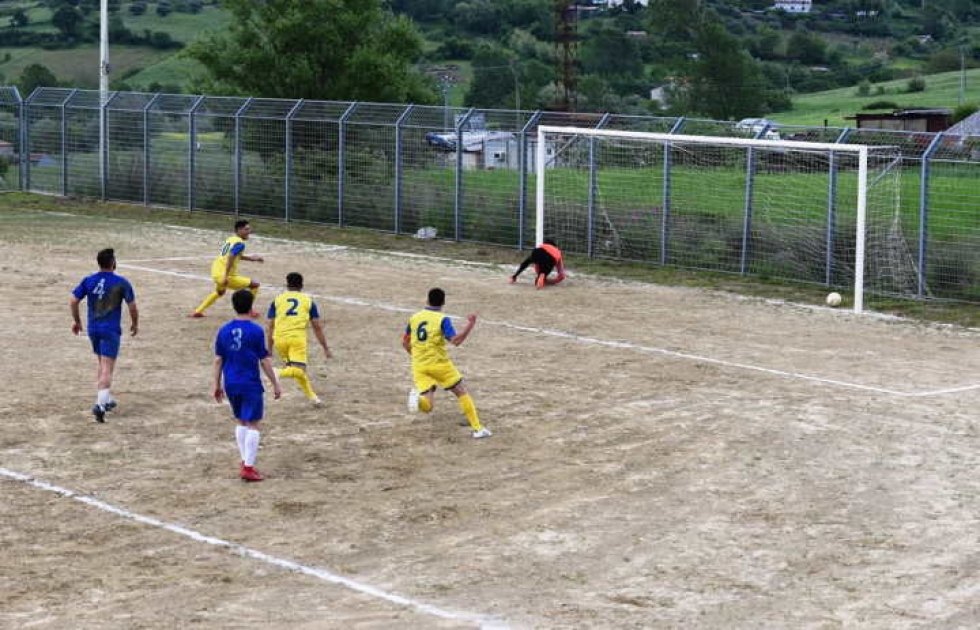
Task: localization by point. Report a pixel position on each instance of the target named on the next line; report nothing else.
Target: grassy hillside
(942, 90)
(79, 67)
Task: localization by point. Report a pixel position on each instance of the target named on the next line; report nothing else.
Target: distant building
(927, 120)
(793, 6)
(969, 126)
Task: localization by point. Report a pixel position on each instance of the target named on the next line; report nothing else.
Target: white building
(793, 6)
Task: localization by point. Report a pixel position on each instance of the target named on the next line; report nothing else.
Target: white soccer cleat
(482, 433)
(316, 402)
(413, 401)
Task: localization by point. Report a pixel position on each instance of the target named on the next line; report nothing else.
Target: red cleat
(249, 473)
(512, 280)
(539, 282)
(196, 315)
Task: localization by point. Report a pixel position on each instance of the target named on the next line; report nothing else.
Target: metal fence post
(458, 196)
(832, 212)
(64, 144)
(665, 215)
(146, 149)
(593, 189)
(192, 150)
(236, 164)
(104, 140)
(21, 139)
(743, 263)
(924, 212)
(398, 167)
(289, 157)
(522, 178)
(341, 166)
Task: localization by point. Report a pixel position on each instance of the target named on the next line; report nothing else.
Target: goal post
(797, 210)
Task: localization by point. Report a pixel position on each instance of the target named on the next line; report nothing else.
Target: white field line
(612, 344)
(482, 621)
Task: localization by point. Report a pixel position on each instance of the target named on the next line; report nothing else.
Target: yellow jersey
(234, 246)
(292, 311)
(428, 331)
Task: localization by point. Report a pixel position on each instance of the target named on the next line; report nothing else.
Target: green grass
(942, 90)
(79, 67)
(183, 27)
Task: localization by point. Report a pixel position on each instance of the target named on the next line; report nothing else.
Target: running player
(224, 269)
(105, 292)
(288, 317)
(239, 351)
(425, 340)
(545, 258)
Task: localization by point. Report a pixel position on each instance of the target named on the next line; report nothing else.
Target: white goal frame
(860, 150)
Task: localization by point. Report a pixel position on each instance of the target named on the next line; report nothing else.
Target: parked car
(754, 126)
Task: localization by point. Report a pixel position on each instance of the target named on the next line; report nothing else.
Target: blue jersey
(241, 346)
(105, 292)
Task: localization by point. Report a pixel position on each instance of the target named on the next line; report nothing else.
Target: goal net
(814, 212)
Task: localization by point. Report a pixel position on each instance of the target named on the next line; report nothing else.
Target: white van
(752, 126)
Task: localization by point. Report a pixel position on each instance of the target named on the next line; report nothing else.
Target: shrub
(916, 84)
(881, 105)
(863, 88)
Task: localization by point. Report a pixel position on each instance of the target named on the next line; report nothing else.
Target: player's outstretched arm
(76, 317)
(318, 333)
(134, 318)
(271, 375)
(216, 389)
(461, 337)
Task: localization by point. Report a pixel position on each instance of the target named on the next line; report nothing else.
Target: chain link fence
(467, 173)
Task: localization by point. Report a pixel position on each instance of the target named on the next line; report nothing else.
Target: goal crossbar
(861, 151)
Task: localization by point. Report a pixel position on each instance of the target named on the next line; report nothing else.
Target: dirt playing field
(661, 457)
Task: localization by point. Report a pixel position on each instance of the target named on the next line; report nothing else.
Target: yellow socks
(469, 408)
(208, 301)
(300, 376)
(425, 405)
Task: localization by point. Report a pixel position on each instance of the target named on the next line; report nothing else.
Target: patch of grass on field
(24, 206)
(942, 90)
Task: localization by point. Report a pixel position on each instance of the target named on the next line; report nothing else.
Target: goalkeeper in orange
(546, 258)
(425, 340)
(224, 269)
(289, 316)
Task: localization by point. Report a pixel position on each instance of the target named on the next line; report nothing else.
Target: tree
(67, 19)
(316, 49)
(35, 76)
(19, 19)
(726, 83)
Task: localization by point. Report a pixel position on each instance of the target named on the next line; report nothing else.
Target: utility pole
(962, 72)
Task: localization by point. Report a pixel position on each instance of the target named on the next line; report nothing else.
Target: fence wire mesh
(469, 175)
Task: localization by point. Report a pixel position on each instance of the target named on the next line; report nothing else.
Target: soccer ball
(833, 299)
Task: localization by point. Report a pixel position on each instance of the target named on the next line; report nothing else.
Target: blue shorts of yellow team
(234, 282)
(292, 349)
(444, 375)
(247, 406)
(105, 344)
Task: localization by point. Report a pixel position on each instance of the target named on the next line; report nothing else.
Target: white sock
(103, 397)
(251, 446)
(240, 433)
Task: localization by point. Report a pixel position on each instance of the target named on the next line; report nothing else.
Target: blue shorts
(105, 344)
(247, 407)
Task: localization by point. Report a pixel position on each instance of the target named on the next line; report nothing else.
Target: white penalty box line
(623, 345)
(482, 621)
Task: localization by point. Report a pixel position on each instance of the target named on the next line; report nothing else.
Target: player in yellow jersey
(425, 340)
(289, 314)
(224, 269)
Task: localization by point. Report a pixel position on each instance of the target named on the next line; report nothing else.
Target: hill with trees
(711, 58)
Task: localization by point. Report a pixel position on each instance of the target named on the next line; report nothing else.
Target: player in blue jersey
(240, 351)
(105, 292)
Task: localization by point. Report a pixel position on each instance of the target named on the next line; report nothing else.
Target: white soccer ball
(834, 299)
